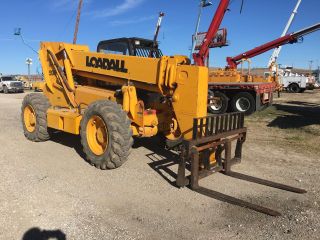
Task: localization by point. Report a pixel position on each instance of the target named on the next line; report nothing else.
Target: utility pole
(75, 36)
(29, 63)
(310, 65)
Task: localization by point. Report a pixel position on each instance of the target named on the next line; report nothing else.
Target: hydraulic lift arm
(276, 51)
(201, 56)
(155, 38)
(233, 62)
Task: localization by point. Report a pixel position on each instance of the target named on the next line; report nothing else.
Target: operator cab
(130, 46)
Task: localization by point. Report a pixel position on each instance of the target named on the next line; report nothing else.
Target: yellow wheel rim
(29, 118)
(97, 135)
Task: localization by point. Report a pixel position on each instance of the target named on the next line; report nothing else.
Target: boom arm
(155, 38)
(289, 38)
(200, 57)
(276, 51)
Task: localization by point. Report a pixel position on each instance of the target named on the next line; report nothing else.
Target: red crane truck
(229, 89)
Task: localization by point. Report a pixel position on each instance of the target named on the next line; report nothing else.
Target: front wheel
(5, 90)
(294, 88)
(34, 117)
(106, 135)
(217, 102)
(243, 102)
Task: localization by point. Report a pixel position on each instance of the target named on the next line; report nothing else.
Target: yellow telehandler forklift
(128, 88)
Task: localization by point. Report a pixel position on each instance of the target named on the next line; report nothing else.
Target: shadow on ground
(300, 114)
(161, 159)
(38, 234)
(68, 140)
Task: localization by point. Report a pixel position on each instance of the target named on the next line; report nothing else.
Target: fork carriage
(210, 151)
(212, 135)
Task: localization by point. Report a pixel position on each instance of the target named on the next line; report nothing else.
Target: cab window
(120, 48)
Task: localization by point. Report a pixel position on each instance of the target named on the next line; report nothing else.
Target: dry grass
(291, 123)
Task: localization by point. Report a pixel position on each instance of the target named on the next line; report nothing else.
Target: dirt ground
(48, 190)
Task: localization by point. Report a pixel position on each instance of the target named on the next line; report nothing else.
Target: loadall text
(106, 63)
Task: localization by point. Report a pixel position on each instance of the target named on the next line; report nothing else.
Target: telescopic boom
(289, 38)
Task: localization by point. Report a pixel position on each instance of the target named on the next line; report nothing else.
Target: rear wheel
(218, 106)
(294, 88)
(106, 135)
(243, 102)
(34, 117)
(5, 90)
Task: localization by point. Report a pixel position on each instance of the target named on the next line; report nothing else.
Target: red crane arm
(289, 38)
(200, 57)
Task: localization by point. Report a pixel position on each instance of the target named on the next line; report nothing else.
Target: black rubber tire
(294, 88)
(224, 101)
(5, 90)
(40, 104)
(252, 103)
(119, 134)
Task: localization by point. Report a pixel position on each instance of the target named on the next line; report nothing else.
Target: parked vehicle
(10, 84)
(37, 86)
(293, 82)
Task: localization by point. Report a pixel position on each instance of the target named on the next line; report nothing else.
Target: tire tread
(40, 104)
(120, 134)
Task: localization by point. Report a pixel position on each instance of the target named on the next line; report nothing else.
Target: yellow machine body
(76, 77)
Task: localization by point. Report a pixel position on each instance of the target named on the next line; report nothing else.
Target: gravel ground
(48, 189)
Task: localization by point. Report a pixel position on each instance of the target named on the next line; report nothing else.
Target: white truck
(294, 83)
(10, 84)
